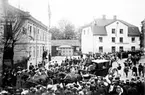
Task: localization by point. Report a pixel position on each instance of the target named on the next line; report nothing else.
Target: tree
(14, 29)
(69, 32)
(142, 36)
(56, 34)
(78, 34)
(67, 29)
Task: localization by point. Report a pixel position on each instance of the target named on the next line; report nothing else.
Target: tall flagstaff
(49, 16)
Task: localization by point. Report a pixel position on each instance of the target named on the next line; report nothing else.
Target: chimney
(104, 17)
(115, 17)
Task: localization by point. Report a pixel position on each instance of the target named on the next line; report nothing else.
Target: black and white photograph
(72, 47)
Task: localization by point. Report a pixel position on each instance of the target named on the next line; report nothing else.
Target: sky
(81, 12)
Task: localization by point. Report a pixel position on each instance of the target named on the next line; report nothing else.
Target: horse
(70, 78)
(113, 71)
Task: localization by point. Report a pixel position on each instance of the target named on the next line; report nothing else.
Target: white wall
(87, 40)
(97, 43)
(91, 43)
(127, 43)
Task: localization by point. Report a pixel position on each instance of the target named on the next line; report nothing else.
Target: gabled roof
(99, 27)
(104, 22)
(102, 30)
(65, 42)
(13, 10)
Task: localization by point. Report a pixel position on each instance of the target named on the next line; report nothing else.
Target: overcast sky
(81, 12)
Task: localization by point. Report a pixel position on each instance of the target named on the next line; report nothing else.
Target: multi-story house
(109, 35)
(33, 40)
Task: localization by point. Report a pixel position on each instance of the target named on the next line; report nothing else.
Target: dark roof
(65, 42)
(102, 30)
(98, 27)
(104, 22)
(133, 31)
(14, 10)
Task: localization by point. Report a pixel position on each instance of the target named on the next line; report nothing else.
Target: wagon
(101, 67)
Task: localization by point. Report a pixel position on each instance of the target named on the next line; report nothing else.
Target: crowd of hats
(90, 84)
(95, 86)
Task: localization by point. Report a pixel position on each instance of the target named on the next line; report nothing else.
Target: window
(38, 35)
(37, 52)
(113, 49)
(121, 31)
(121, 48)
(100, 39)
(121, 39)
(34, 33)
(33, 51)
(30, 28)
(84, 32)
(101, 49)
(113, 31)
(113, 39)
(133, 48)
(133, 39)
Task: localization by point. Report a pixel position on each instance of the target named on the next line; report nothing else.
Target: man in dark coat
(126, 70)
(31, 67)
(140, 69)
(126, 86)
(134, 70)
(132, 90)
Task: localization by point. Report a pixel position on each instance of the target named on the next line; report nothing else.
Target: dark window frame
(100, 39)
(100, 48)
(121, 48)
(113, 39)
(132, 48)
(121, 31)
(113, 49)
(133, 39)
(113, 30)
(121, 39)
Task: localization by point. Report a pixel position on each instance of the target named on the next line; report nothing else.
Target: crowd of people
(74, 77)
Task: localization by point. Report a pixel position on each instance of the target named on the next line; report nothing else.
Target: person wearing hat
(31, 67)
(68, 91)
(126, 70)
(132, 90)
(140, 69)
(134, 70)
(126, 86)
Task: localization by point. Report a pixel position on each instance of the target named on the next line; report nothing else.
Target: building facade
(143, 34)
(34, 38)
(109, 35)
(65, 47)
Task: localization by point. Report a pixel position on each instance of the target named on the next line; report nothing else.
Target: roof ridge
(126, 23)
(27, 14)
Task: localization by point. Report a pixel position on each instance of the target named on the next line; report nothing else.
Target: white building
(109, 35)
(34, 36)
